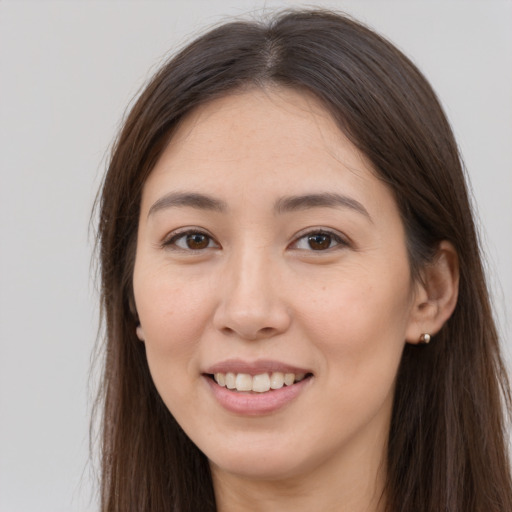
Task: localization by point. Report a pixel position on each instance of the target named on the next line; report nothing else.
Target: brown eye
(197, 241)
(191, 241)
(319, 241)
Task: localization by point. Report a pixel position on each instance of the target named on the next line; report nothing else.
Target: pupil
(197, 241)
(319, 242)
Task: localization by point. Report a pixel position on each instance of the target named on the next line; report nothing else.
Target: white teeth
(243, 382)
(277, 380)
(289, 378)
(230, 380)
(260, 383)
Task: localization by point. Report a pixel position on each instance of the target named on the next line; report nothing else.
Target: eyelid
(341, 240)
(169, 242)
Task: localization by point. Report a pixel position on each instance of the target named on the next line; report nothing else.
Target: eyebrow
(190, 199)
(282, 205)
(321, 200)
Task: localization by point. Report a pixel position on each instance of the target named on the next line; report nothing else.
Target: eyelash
(172, 241)
(339, 241)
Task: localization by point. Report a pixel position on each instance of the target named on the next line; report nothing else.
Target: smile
(260, 383)
(256, 388)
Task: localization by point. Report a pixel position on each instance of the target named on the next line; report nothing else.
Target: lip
(250, 403)
(254, 367)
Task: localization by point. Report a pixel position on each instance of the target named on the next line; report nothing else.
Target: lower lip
(254, 404)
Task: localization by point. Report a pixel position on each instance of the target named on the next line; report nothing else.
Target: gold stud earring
(425, 338)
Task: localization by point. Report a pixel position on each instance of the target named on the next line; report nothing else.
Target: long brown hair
(447, 449)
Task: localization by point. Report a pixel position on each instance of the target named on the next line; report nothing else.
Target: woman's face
(270, 256)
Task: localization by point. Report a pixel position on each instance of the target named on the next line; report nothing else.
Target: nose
(251, 303)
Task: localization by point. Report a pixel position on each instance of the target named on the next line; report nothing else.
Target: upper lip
(254, 367)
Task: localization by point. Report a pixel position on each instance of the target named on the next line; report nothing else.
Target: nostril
(251, 323)
(264, 332)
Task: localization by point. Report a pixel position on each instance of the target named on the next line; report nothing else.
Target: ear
(140, 333)
(435, 294)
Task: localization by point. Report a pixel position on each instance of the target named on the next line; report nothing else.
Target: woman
(284, 227)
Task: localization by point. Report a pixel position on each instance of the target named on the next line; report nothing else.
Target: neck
(355, 484)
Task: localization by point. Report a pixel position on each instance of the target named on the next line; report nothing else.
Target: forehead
(265, 141)
(278, 119)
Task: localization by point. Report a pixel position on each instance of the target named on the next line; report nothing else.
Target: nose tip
(252, 325)
(251, 308)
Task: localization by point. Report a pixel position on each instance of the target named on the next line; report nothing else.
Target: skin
(257, 290)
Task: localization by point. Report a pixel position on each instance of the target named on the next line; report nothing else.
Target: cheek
(173, 315)
(359, 330)
(170, 307)
(360, 322)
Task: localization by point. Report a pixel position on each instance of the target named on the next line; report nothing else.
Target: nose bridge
(250, 304)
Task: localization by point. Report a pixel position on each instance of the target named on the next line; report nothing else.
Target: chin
(259, 462)
(258, 467)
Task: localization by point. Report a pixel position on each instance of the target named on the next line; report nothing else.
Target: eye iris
(319, 241)
(197, 241)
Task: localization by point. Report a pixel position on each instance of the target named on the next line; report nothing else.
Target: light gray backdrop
(67, 71)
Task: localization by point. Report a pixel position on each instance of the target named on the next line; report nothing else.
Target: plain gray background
(68, 70)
